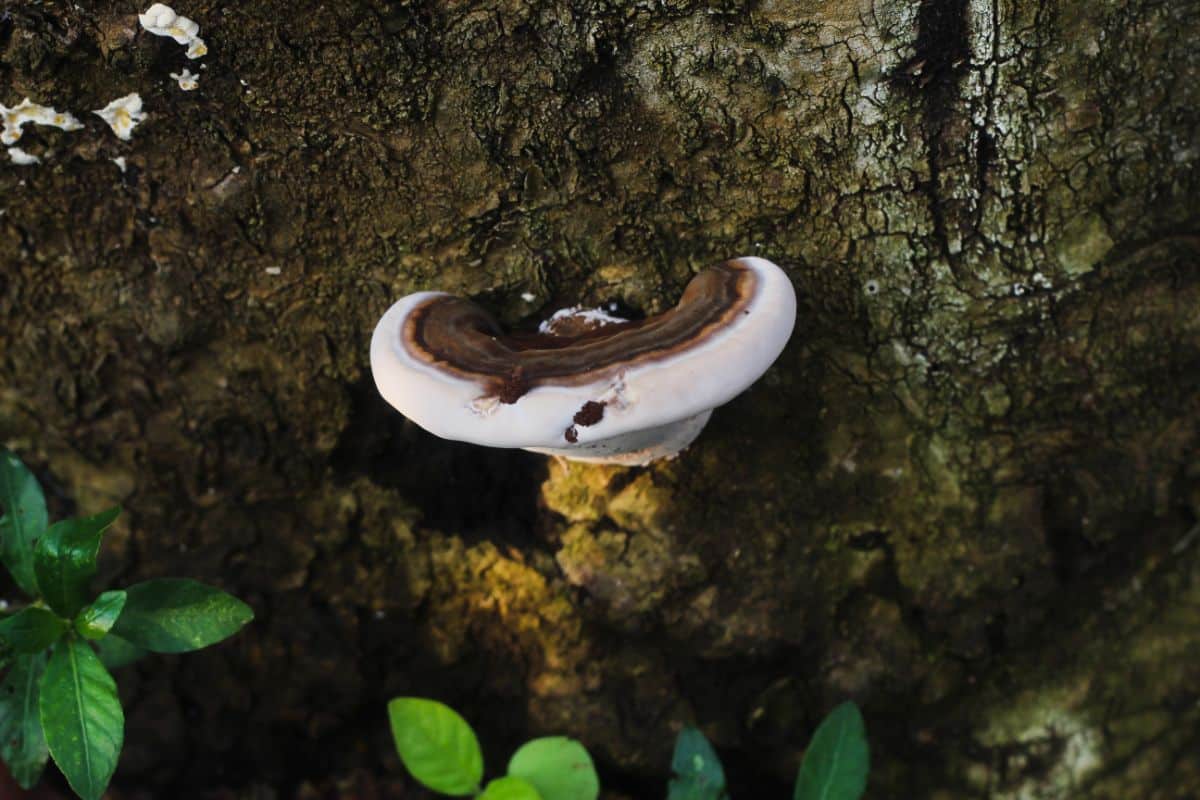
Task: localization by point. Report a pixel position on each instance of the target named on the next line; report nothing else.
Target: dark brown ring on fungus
(456, 336)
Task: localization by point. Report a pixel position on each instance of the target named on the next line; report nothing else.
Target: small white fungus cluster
(161, 20)
(123, 115)
(186, 80)
(21, 158)
(27, 111)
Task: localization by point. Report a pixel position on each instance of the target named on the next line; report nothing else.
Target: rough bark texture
(966, 496)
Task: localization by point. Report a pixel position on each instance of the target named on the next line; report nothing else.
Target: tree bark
(967, 496)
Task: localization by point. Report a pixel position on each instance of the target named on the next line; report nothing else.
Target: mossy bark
(966, 496)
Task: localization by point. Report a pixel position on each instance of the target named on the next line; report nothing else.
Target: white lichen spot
(28, 111)
(186, 80)
(22, 158)
(1041, 281)
(1053, 749)
(161, 20)
(123, 115)
(1083, 244)
(120, 162)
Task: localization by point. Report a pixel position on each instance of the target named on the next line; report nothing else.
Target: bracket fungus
(602, 390)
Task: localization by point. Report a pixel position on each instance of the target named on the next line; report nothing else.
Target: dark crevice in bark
(935, 73)
(942, 53)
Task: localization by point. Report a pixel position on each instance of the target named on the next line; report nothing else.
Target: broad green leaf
(95, 621)
(175, 615)
(116, 652)
(82, 717)
(31, 630)
(22, 744)
(24, 520)
(558, 767)
(837, 760)
(65, 560)
(436, 745)
(510, 788)
(698, 772)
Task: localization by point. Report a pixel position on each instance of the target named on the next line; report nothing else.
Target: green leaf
(558, 767)
(31, 630)
(698, 771)
(836, 763)
(175, 615)
(65, 560)
(436, 745)
(510, 788)
(22, 743)
(116, 652)
(95, 621)
(24, 520)
(82, 717)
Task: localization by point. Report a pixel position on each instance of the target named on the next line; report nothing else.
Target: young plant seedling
(697, 770)
(442, 752)
(834, 767)
(57, 699)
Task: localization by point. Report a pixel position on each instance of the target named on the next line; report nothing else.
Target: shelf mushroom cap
(626, 392)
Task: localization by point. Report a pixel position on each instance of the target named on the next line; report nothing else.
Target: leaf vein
(75, 678)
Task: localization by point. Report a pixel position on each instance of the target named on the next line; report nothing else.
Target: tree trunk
(966, 496)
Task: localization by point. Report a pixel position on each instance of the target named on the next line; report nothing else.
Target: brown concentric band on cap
(456, 336)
